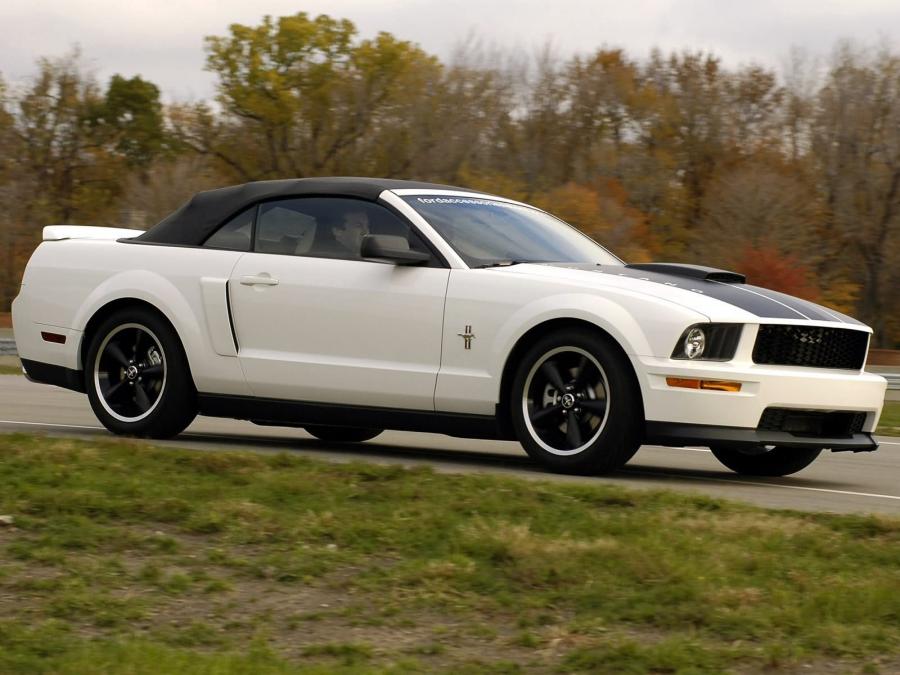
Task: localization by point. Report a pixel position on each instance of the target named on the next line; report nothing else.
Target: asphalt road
(837, 482)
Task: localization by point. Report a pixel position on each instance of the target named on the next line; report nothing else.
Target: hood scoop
(691, 272)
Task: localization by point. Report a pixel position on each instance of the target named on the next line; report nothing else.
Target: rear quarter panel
(67, 282)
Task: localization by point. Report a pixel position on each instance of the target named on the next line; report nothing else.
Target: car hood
(722, 296)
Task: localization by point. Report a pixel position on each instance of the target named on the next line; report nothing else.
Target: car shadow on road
(373, 451)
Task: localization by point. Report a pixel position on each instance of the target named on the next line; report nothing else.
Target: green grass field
(124, 558)
(889, 425)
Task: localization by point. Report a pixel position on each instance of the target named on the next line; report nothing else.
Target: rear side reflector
(709, 385)
(53, 337)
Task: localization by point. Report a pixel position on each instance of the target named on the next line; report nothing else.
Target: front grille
(812, 422)
(811, 346)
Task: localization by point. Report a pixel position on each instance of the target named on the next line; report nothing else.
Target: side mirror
(393, 249)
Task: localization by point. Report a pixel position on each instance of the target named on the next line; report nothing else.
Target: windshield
(486, 232)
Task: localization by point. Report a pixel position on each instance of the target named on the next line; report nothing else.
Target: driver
(350, 230)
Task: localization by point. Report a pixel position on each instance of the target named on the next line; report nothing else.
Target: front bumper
(762, 387)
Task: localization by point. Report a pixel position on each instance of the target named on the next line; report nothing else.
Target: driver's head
(351, 228)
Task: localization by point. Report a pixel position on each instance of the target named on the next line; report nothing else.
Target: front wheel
(775, 461)
(575, 405)
(341, 434)
(137, 377)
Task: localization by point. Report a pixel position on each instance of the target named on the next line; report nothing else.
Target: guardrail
(8, 348)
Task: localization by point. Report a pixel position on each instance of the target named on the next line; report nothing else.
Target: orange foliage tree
(602, 210)
(766, 266)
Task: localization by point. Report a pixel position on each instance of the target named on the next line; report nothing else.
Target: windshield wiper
(507, 263)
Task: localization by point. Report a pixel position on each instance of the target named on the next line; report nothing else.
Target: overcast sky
(162, 40)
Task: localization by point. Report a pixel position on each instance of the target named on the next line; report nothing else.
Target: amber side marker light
(710, 385)
(53, 337)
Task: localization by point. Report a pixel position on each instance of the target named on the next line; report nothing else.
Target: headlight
(694, 343)
(708, 342)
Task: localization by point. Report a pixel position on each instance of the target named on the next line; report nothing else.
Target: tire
(342, 434)
(582, 375)
(137, 376)
(778, 461)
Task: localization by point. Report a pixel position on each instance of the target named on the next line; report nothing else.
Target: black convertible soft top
(200, 216)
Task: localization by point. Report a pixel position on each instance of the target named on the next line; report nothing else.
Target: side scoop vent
(691, 272)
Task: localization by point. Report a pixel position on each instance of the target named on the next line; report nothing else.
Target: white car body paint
(339, 331)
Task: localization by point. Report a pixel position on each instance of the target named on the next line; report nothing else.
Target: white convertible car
(351, 305)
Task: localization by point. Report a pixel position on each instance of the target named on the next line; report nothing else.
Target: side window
(235, 234)
(326, 227)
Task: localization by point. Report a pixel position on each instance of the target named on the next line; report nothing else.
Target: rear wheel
(775, 461)
(575, 405)
(137, 377)
(342, 434)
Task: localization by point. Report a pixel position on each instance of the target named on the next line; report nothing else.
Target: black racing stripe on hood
(759, 301)
(811, 309)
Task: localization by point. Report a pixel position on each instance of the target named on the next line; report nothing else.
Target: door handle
(258, 280)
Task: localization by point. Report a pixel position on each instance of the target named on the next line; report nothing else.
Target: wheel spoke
(595, 405)
(115, 351)
(140, 397)
(581, 372)
(153, 370)
(544, 413)
(137, 340)
(110, 393)
(573, 432)
(551, 372)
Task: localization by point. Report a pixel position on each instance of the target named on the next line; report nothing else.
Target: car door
(314, 322)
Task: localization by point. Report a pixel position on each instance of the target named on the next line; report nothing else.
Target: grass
(889, 425)
(10, 370)
(132, 559)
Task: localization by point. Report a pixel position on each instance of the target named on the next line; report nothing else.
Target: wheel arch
(529, 338)
(107, 310)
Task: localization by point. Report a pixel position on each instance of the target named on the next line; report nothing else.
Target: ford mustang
(347, 306)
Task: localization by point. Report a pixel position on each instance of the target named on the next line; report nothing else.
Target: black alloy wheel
(130, 372)
(137, 378)
(575, 405)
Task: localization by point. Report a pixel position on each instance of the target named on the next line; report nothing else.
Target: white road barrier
(7, 347)
(893, 380)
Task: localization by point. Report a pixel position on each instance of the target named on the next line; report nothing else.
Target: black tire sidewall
(619, 439)
(178, 404)
(780, 461)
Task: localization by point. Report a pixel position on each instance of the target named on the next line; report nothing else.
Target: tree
(132, 115)
(302, 96)
(857, 147)
(766, 266)
(62, 150)
(601, 210)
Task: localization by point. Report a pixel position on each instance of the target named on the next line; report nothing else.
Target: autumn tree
(857, 147)
(301, 96)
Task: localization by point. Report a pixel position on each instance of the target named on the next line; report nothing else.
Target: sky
(162, 40)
